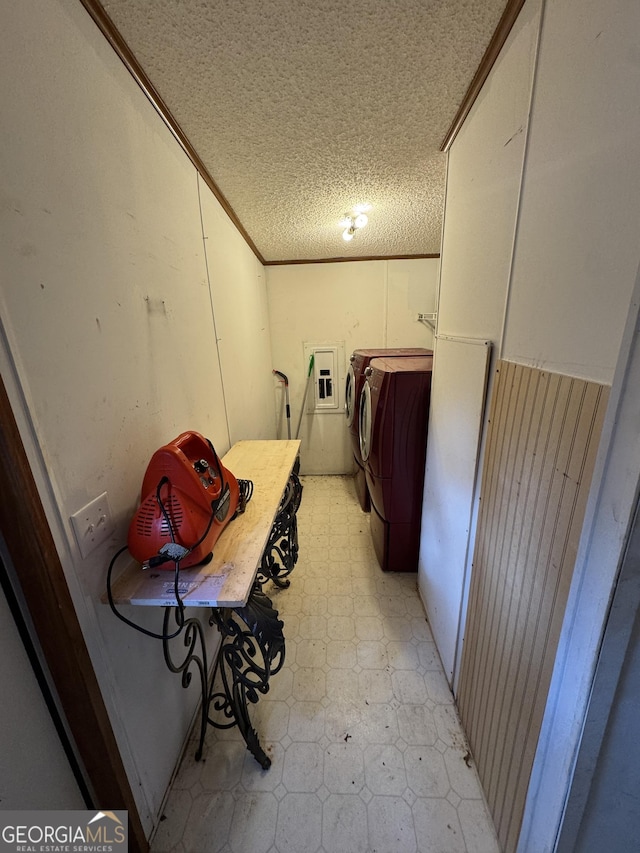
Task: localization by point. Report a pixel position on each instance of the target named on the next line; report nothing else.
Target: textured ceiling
(301, 109)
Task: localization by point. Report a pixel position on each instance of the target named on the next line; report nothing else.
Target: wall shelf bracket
(428, 320)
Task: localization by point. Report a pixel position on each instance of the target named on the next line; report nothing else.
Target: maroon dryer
(359, 361)
(393, 421)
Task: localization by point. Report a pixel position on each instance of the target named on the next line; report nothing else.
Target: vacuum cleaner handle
(283, 378)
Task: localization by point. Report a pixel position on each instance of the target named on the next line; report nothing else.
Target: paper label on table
(184, 588)
(202, 592)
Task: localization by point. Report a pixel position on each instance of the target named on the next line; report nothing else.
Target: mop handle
(306, 391)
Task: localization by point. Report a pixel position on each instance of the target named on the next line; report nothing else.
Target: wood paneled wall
(542, 440)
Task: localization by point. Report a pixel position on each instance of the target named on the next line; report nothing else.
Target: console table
(259, 545)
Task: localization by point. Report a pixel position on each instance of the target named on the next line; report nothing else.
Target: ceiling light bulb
(361, 220)
(347, 234)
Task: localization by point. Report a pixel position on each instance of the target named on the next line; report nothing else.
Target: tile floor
(367, 750)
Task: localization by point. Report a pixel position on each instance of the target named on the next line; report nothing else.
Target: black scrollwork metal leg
(192, 633)
(281, 553)
(252, 650)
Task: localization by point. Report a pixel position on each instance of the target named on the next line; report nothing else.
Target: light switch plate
(92, 524)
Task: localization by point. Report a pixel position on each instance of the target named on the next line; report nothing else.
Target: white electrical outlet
(92, 524)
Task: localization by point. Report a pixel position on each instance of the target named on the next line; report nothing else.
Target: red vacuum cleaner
(188, 498)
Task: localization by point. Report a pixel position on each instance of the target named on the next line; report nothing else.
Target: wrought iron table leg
(192, 633)
(252, 651)
(252, 648)
(281, 554)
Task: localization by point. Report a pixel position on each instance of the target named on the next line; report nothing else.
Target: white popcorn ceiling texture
(301, 109)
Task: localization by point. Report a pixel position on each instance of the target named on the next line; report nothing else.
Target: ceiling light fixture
(348, 233)
(352, 222)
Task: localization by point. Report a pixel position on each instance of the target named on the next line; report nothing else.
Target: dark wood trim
(110, 32)
(41, 577)
(345, 260)
(496, 44)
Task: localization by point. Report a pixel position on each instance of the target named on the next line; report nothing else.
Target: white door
(36, 773)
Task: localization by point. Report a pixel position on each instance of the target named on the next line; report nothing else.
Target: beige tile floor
(367, 749)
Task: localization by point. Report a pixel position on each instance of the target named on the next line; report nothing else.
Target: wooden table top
(227, 580)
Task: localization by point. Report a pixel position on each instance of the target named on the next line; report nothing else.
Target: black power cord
(112, 605)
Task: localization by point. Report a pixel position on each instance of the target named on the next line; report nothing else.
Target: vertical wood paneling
(543, 434)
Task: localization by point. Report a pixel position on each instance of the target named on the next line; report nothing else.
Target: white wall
(563, 256)
(362, 304)
(568, 308)
(577, 251)
(108, 346)
(484, 175)
(241, 323)
(483, 185)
